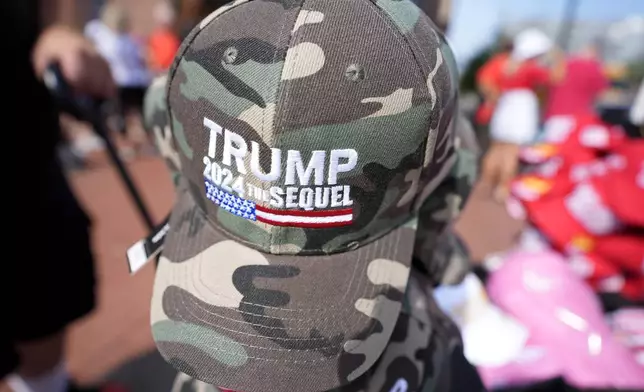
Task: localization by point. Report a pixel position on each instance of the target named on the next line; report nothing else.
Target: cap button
(353, 245)
(354, 73)
(230, 55)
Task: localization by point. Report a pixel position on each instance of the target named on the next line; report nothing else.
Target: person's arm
(539, 75)
(60, 42)
(487, 81)
(484, 79)
(82, 66)
(557, 60)
(71, 13)
(50, 13)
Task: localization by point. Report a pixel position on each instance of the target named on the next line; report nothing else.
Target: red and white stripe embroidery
(301, 218)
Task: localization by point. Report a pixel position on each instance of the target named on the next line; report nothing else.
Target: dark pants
(49, 277)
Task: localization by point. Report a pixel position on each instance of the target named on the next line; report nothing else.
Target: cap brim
(232, 316)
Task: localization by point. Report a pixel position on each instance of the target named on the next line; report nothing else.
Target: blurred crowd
(532, 83)
(532, 87)
(134, 62)
(567, 298)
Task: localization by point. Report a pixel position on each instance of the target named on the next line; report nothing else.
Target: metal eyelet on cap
(230, 55)
(353, 245)
(355, 73)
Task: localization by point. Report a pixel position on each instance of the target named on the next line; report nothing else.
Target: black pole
(567, 23)
(98, 122)
(93, 111)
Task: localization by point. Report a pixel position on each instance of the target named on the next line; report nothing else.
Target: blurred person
(488, 85)
(111, 34)
(50, 283)
(190, 12)
(516, 117)
(163, 43)
(575, 89)
(439, 11)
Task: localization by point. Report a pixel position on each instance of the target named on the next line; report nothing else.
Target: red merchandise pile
(584, 193)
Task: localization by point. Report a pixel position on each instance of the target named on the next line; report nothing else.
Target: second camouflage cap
(306, 135)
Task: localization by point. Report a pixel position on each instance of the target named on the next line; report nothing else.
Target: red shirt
(529, 75)
(489, 75)
(163, 45)
(584, 80)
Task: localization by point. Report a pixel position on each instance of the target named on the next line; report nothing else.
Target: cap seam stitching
(282, 89)
(374, 323)
(187, 44)
(390, 19)
(183, 319)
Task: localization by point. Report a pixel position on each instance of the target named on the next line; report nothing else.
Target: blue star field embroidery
(229, 202)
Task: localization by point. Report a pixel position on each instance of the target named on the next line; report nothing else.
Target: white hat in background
(530, 43)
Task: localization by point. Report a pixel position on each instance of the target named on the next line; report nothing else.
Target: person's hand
(82, 66)
(500, 166)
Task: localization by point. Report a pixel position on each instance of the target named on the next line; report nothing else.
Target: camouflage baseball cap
(306, 135)
(422, 354)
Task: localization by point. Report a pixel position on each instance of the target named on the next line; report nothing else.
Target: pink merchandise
(568, 334)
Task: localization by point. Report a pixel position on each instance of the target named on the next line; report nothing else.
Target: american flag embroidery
(293, 218)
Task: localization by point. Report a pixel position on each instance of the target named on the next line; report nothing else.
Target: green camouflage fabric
(223, 311)
(438, 250)
(416, 357)
(156, 122)
(281, 113)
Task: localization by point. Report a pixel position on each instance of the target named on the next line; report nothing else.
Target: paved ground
(118, 330)
(115, 341)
